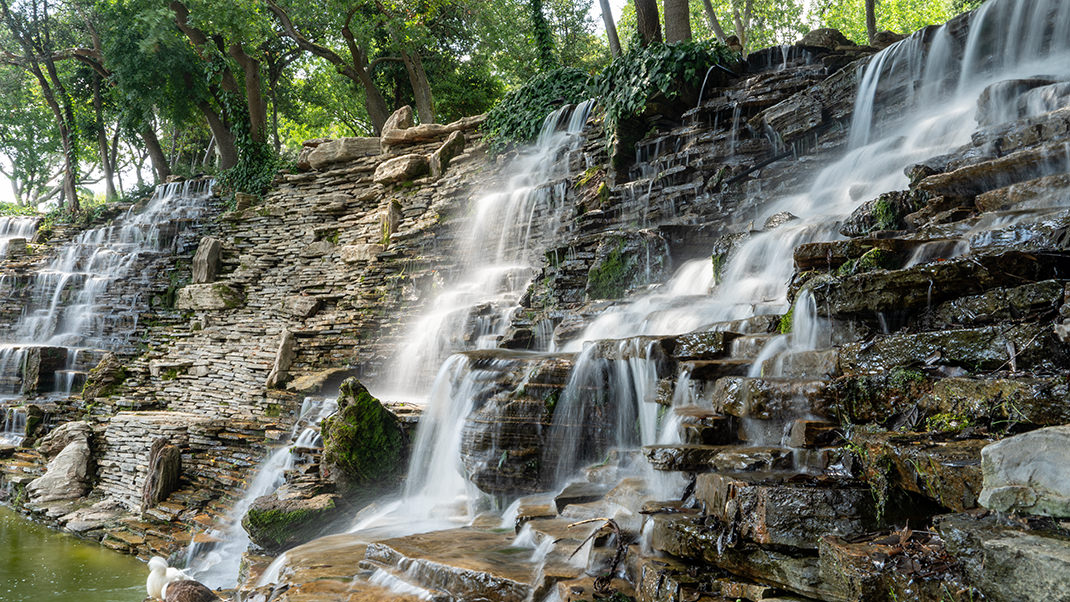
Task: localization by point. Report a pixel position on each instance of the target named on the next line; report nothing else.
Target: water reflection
(39, 565)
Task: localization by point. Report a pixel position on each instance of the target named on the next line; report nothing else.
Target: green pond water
(41, 565)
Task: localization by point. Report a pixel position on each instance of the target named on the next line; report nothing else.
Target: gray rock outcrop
(1029, 473)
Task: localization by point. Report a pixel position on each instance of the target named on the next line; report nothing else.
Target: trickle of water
(14, 430)
(217, 566)
(16, 227)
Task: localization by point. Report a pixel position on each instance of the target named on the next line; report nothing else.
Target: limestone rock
(317, 249)
(884, 39)
(1008, 563)
(1029, 473)
(625, 260)
(357, 253)
(206, 297)
(39, 368)
(364, 445)
(401, 119)
(276, 525)
(999, 102)
(53, 443)
(104, 378)
(440, 159)
(67, 476)
(343, 150)
(301, 306)
(284, 357)
(886, 212)
(165, 469)
(206, 260)
(16, 247)
(401, 169)
(425, 132)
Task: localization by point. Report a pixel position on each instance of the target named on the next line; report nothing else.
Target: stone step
(944, 469)
(803, 364)
(703, 426)
(464, 563)
(749, 347)
(771, 398)
(711, 370)
(992, 348)
(694, 539)
(761, 324)
(704, 458)
(788, 510)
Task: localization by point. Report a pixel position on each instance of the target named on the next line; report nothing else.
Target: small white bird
(160, 575)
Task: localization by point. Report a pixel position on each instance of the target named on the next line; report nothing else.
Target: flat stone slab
(466, 563)
(1008, 564)
(943, 469)
(766, 399)
(782, 510)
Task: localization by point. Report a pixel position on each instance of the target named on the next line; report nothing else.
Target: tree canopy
(127, 92)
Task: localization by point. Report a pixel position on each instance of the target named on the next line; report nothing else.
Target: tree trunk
(421, 88)
(254, 96)
(544, 38)
(677, 21)
(156, 155)
(611, 27)
(102, 142)
(715, 23)
(648, 21)
(228, 152)
(871, 19)
(355, 69)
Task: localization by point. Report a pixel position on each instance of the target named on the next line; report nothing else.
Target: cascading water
(218, 565)
(500, 249)
(72, 313)
(12, 228)
(14, 426)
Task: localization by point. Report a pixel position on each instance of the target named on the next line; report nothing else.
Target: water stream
(217, 564)
(74, 311)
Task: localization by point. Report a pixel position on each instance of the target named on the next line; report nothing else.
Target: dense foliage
(518, 118)
(643, 73)
(99, 97)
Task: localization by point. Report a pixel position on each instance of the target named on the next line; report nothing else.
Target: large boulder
(401, 119)
(284, 357)
(364, 445)
(67, 476)
(1029, 473)
(402, 169)
(212, 296)
(277, 524)
(343, 150)
(206, 260)
(55, 442)
(825, 37)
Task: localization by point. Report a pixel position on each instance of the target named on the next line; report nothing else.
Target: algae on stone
(365, 447)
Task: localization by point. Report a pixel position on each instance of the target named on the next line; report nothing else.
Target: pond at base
(41, 565)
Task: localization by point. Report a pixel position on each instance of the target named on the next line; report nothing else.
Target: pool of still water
(41, 565)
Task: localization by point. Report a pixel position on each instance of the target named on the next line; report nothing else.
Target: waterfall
(14, 423)
(217, 565)
(501, 246)
(74, 310)
(15, 227)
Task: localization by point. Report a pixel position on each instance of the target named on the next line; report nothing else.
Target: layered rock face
(774, 375)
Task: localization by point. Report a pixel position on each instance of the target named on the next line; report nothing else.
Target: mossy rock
(365, 447)
(276, 525)
(625, 261)
(886, 212)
